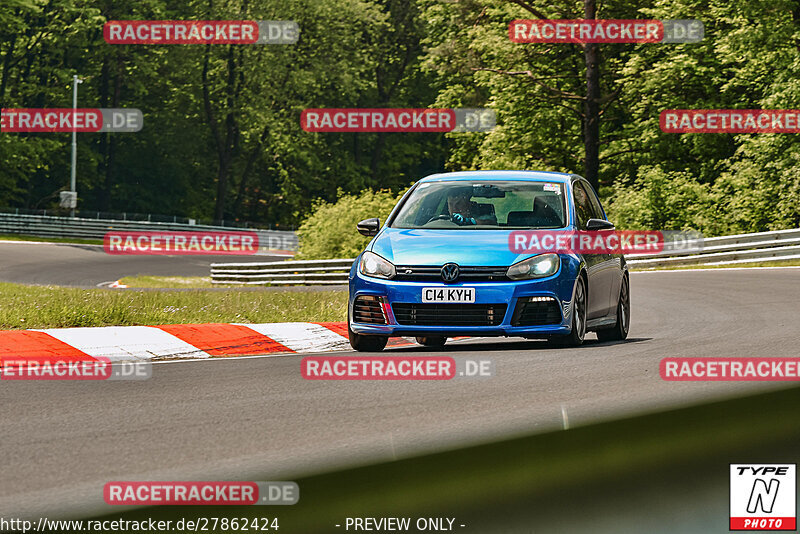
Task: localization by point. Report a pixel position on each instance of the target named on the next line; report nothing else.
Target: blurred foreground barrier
(662, 472)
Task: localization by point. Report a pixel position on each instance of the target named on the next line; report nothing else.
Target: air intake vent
(368, 309)
(449, 314)
(535, 311)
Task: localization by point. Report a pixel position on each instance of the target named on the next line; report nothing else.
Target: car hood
(437, 247)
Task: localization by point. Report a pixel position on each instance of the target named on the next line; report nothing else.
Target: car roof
(534, 176)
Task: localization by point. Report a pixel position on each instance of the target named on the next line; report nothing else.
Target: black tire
(620, 330)
(363, 343)
(576, 336)
(432, 341)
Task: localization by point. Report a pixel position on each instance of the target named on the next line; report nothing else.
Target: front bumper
(559, 286)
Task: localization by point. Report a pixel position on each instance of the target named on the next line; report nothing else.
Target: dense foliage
(222, 136)
(330, 230)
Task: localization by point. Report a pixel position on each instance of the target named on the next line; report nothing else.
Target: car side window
(583, 206)
(597, 209)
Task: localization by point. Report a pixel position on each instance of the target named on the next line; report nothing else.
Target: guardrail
(726, 250)
(81, 228)
(310, 272)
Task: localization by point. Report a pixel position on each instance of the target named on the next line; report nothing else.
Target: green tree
(330, 231)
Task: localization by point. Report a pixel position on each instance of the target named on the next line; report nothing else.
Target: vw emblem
(450, 272)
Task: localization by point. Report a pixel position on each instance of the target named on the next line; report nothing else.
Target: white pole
(74, 138)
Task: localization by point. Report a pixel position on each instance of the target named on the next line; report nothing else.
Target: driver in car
(460, 208)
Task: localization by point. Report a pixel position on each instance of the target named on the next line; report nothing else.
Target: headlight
(536, 267)
(373, 265)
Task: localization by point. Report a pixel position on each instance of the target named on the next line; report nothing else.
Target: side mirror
(369, 227)
(599, 224)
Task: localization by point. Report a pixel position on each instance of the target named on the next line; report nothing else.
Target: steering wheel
(438, 218)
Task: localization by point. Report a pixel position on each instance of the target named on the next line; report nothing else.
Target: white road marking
(118, 343)
(137, 343)
(112, 284)
(226, 358)
(348, 350)
(301, 337)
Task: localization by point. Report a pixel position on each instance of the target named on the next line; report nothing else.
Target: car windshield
(461, 205)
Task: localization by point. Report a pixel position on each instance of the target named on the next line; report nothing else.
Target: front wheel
(575, 338)
(619, 331)
(363, 343)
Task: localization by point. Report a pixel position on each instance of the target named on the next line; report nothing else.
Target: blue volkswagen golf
(441, 265)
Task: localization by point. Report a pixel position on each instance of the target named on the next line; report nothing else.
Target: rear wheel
(363, 343)
(620, 330)
(432, 341)
(575, 338)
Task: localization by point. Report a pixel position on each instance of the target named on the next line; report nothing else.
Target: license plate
(448, 294)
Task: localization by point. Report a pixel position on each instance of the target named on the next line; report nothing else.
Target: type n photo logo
(762, 497)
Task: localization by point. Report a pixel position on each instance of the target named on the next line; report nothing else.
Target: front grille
(368, 309)
(418, 273)
(449, 314)
(534, 311)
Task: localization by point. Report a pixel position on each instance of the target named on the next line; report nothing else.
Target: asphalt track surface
(257, 419)
(88, 265)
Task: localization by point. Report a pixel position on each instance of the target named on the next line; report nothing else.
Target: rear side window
(583, 204)
(597, 209)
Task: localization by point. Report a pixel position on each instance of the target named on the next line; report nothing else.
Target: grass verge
(160, 282)
(60, 307)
